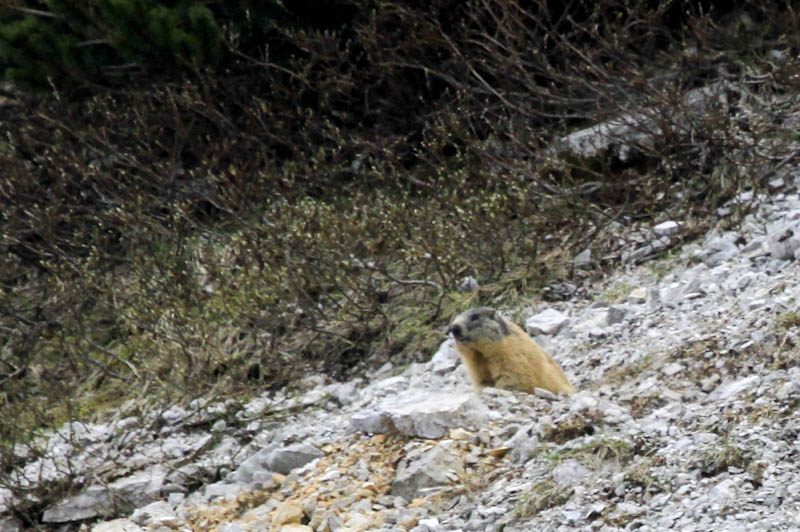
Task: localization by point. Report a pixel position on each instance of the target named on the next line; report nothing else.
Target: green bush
(63, 43)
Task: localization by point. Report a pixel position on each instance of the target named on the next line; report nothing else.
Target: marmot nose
(456, 330)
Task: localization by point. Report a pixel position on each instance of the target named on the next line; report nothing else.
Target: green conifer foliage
(108, 42)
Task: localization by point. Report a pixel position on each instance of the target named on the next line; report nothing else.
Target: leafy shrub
(58, 43)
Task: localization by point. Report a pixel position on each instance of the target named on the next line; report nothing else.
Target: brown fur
(499, 353)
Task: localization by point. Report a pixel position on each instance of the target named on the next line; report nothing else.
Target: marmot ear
(501, 321)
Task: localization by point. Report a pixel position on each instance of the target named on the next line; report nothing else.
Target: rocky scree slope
(688, 378)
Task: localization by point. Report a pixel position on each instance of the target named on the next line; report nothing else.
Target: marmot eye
(474, 317)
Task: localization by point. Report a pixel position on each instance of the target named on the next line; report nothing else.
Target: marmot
(500, 353)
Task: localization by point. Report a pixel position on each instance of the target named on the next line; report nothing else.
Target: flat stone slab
(423, 414)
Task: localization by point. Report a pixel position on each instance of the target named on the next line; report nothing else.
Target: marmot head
(482, 323)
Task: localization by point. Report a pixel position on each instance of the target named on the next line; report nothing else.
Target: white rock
(523, 443)
(583, 259)
(666, 228)
(623, 136)
(156, 514)
(597, 333)
(95, 501)
(426, 414)
(446, 358)
(344, 393)
(637, 296)
(672, 369)
(115, 525)
(392, 384)
(285, 459)
(719, 248)
(331, 474)
(175, 414)
(372, 422)
(787, 389)
(434, 468)
(725, 491)
(468, 284)
(545, 394)
(12, 524)
(223, 490)
(615, 314)
(597, 320)
(255, 407)
(432, 523)
(549, 321)
(583, 400)
(570, 472)
(234, 527)
(729, 390)
(141, 487)
(783, 240)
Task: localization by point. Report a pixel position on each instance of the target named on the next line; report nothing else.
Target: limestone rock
(468, 284)
(419, 413)
(284, 459)
(729, 390)
(156, 514)
(615, 314)
(621, 137)
(139, 488)
(549, 321)
(344, 393)
(637, 295)
(296, 527)
(288, 512)
(95, 501)
(583, 259)
(446, 358)
(436, 467)
(233, 527)
(12, 524)
(115, 525)
(666, 228)
(524, 443)
(646, 250)
(372, 422)
(718, 249)
(783, 240)
(570, 472)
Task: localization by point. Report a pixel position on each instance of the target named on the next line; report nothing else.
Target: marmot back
(499, 353)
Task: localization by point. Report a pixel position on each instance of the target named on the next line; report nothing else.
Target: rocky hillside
(688, 379)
